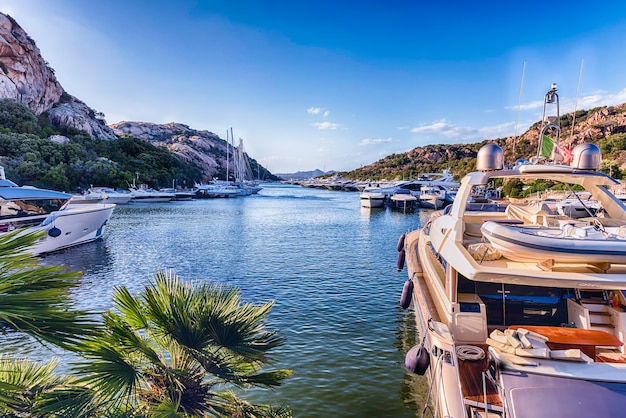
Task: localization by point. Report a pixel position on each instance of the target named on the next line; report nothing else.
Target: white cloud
(375, 141)
(596, 99)
(442, 127)
(326, 125)
(537, 104)
(602, 98)
(318, 111)
(455, 132)
(314, 110)
(497, 131)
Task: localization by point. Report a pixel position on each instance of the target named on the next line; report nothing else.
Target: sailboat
(243, 183)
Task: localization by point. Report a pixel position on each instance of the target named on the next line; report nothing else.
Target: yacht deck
(474, 393)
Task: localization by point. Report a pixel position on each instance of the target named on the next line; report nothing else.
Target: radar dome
(587, 156)
(490, 157)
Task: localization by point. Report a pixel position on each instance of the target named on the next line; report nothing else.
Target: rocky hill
(304, 175)
(204, 149)
(605, 126)
(28, 79)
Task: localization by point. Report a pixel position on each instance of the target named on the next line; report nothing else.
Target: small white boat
(110, 195)
(444, 179)
(216, 190)
(180, 194)
(65, 224)
(571, 242)
(404, 200)
(372, 199)
(578, 205)
(432, 197)
(144, 194)
(87, 197)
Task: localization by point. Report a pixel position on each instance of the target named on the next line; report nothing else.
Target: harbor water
(329, 265)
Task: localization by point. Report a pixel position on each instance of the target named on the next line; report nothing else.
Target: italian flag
(554, 152)
(547, 146)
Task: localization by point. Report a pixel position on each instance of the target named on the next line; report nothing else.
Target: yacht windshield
(31, 207)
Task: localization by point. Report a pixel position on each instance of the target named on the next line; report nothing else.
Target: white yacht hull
(372, 200)
(76, 224)
(120, 199)
(538, 332)
(431, 202)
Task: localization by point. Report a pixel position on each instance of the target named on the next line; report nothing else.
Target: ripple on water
(328, 264)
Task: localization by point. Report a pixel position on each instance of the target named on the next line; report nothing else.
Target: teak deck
(470, 372)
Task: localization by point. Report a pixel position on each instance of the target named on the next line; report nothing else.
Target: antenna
(580, 76)
(519, 105)
(552, 123)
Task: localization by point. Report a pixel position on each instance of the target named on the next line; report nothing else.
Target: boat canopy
(12, 193)
(550, 173)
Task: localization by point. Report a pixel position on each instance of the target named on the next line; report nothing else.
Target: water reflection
(328, 264)
(92, 257)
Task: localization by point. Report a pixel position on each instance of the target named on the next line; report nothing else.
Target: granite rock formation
(27, 78)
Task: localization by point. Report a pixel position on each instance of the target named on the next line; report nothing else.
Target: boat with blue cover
(64, 224)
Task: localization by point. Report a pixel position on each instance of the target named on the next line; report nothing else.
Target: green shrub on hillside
(29, 157)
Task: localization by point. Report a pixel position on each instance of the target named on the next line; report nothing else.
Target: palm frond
(36, 298)
(165, 349)
(69, 401)
(227, 404)
(130, 308)
(26, 385)
(109, 372)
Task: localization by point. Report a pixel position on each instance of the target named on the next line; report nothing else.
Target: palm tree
(35, 300)
(180, 350)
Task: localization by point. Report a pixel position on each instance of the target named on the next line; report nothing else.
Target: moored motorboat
(180, 194)
(87, 197)
(144, 194)
(216, 190)
(402, 199)
(444, 179)
(577, 205)
(64, 224)
(372, 199)
(432, 197)
(110, 195)
(504, 335)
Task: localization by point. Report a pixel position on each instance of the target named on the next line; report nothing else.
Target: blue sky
(333, 85)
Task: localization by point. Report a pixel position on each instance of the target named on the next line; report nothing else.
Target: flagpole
(580, 76)
(519, 105)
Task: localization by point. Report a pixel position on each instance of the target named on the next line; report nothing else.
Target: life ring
(407, 294)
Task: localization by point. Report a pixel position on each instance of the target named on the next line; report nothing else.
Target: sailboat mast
(519, 105)
(232, 140)
(580, 76)
(227, 157)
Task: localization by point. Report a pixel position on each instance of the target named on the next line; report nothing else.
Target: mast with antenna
(549, 123)
(519, 105)
(580, 76)
(227, 157)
